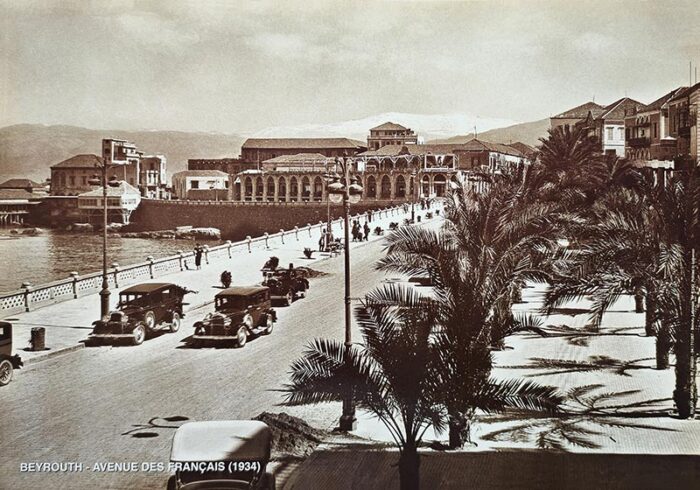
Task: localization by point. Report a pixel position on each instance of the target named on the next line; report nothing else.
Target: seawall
(238, 220)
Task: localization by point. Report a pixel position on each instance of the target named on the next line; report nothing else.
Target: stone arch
(282, 189)
(259, 188)
(305, 188)
(318, 189)
(440, 185)
(270, 189)
(371, 190)
(400, 186)
(293, 189)
(425, 186)
(247, 189)
(385, 187)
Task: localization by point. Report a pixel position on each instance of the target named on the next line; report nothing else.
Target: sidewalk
(68, 323)
(617, 433)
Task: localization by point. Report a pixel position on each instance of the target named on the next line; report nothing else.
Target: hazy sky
(229, 66)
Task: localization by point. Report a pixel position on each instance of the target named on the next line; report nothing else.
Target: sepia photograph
(349, 244)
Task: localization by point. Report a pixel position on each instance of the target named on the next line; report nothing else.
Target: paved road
(81, 407)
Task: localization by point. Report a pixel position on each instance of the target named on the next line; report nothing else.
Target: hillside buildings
(604, 123)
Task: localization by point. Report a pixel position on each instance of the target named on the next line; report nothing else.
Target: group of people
(360, 234)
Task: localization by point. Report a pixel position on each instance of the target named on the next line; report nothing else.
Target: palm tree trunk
(638, 301)
(663, 346)
(685, 395)
(409, 467)
(456, 425)
(649, 317)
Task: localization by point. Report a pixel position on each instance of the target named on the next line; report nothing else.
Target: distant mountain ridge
(29, 150)
(528, 133)
(426, 126)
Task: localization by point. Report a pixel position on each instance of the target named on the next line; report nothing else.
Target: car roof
(148, 287)
(241, 291)
(222, 440)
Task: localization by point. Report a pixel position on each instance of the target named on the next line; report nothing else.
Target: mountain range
(28, 150)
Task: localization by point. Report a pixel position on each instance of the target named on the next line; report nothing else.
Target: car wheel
(175, 323)
(289, 298)
(269, 325)
(139, 334)
(172, 483)
(241, 336)
(149, 319)
(6, 370)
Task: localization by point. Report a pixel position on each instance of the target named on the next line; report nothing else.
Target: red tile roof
(444, 148)
(388, 126)
(302, 143)
(20, 184)
(80, 161)
(618, 109)
(581, 112)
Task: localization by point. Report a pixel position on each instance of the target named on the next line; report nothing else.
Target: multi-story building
(390, 133)
(210, 185)
(152, 180)
(684, 121)
(605, 124)
(72, 176)
(257, 150)
(647, 131)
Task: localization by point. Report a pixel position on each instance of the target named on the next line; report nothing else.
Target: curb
(67, 350)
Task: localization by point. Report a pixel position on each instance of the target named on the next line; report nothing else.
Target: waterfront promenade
(68, 322)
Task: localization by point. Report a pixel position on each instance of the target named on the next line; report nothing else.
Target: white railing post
(248, 239)
(181, 259)
(74, 276)
(150, 265)
(267, 235)
(228, 243)
(27, 286)
(206, 254)
(296, 232)
(115, 266)
(309, 226)
(282, 235)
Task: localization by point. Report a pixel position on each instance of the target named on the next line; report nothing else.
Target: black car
(240, 312)
(8, 362)
(143, 309)
(286, 285)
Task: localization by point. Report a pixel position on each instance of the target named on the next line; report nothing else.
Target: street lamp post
(102, 180)
(346, 192)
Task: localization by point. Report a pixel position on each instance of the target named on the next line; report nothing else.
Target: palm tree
(646, 241)
(390, 375)
(487, 249)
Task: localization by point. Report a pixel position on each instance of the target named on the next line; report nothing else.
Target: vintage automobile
(286, 285)
(143, 309)
(239, 312)
(8, 362)
(229, 454)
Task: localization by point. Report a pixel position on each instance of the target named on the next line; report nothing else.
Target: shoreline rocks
(181, 233)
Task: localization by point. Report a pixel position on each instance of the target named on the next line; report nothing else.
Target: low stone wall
(238, 220)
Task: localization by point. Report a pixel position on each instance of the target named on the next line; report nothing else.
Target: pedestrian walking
(198, 251)
(366, 230)
(322, 240)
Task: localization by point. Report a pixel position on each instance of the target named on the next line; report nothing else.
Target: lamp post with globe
(347, 191)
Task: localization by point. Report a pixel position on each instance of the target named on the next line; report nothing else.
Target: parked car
(224, 454)
(286, 285)
(239, 312)
(143, 309)
(8, 362)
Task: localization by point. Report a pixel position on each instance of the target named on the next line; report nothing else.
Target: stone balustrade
(31, 297)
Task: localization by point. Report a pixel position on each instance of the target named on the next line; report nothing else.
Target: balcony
(638, 142)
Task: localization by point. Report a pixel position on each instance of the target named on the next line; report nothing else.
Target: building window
(656, 130)
(194, 184)
(72, 180)
(609, 133)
